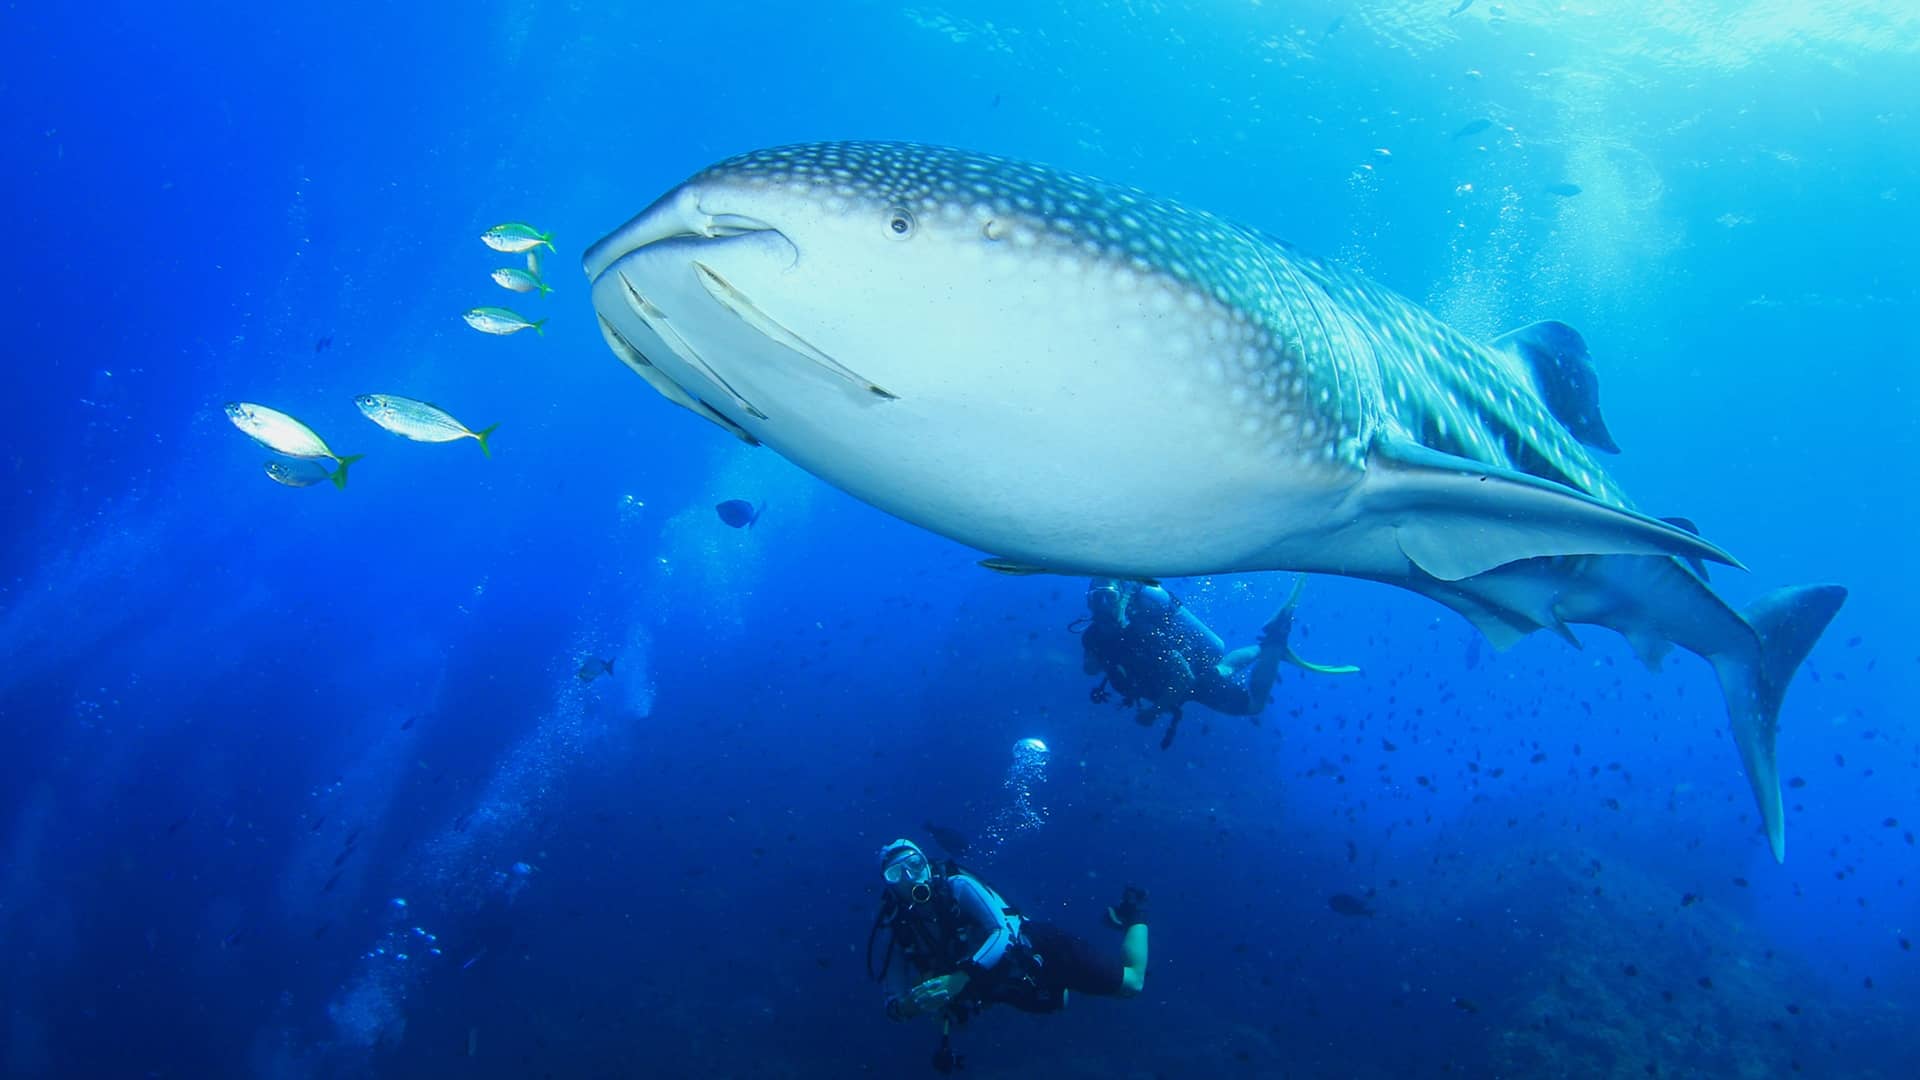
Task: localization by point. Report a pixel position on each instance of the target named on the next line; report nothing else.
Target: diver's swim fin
(1281, 627)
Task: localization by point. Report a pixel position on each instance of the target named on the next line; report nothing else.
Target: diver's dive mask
(905, 867)
(1106, 601)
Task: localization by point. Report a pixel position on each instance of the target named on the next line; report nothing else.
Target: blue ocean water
(303, 783)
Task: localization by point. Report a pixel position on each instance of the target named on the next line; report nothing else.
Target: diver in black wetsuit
(962, 948)
(1152, 648)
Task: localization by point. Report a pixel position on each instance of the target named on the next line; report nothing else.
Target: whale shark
(1077, 377)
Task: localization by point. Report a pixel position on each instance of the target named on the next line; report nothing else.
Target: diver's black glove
(1131, 910)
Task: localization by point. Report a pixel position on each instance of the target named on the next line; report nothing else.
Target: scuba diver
(962, 948)
(1152, 648)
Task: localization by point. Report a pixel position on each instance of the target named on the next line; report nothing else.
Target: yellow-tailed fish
(512, 277)
(282, 434)
(298, 473)
(421, 421)
(514, 238)
(496, 320)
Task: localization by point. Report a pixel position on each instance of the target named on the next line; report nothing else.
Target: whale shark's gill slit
(641, 306)
(736, 301)
(658, 322)
(666, 387)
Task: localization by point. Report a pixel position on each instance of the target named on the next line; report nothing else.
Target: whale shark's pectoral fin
(1016, 568)
(744, 308)
(1687, 524)
(1454, 517)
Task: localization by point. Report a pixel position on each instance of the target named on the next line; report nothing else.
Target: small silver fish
(297, 474)
(282, 434)
(495, 320)
(277, 431)
(420, 421)
(512, 277)
(514, 238)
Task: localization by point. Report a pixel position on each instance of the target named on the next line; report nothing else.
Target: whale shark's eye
(899, 223)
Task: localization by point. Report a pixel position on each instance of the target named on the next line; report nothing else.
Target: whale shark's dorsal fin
(1562, 369)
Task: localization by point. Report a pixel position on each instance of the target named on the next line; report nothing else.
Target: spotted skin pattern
(1306, 352)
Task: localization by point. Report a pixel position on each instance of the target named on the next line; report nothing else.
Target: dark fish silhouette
(321, 345)
(317, 822)
(1473, 127)
(593, 667)
(1464, 5)
(1347, 904)
(1563, 189)
(952, 841)
(408, 722)
(739, 513)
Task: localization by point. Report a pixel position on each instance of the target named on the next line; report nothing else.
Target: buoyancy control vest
(935, 935)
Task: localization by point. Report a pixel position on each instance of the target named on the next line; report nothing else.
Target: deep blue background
(207, 680)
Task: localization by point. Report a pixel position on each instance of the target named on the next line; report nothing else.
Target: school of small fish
(513, 238)
(306, 459)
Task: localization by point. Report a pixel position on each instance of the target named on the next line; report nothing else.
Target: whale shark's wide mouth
(678, 216)
(661, 279)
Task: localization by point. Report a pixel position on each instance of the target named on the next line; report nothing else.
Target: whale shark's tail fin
(1787, 622)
